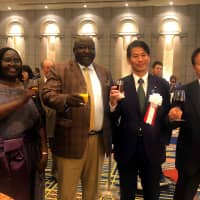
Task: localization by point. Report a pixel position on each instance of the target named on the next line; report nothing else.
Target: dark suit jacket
(128, 120)
(188, 144)
(72, 127)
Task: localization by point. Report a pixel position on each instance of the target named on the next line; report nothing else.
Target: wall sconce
(50, 31)
(15, 29)
(169, 29)
(15, 36)
(128, 30)
(87, 27)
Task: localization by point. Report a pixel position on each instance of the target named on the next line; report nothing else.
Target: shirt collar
(136, 77)
(89, 67)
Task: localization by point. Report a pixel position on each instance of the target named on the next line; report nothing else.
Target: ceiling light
(9, 8)
(126, 4)
(171, 3)
(46, 7)
(84, 6)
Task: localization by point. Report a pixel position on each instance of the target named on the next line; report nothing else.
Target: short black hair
(157, 63)
(137, 43)
(194, 55)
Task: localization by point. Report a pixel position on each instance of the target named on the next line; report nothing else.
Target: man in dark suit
(82, 132)
(188, 144)
(138, 146)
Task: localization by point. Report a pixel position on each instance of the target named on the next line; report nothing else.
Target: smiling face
(10, 65)
(139, 60)
(84, 51)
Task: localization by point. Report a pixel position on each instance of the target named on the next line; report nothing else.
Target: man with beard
(82, 132)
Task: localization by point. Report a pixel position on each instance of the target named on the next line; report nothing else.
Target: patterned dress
(19, 148)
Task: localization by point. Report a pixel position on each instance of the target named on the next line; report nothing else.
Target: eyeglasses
(14, 60)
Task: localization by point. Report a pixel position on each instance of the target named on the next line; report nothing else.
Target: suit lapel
(75, 69)
(150, 88)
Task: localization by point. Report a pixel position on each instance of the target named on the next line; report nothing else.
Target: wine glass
(178, 100)
(33, 85)
(120, 87)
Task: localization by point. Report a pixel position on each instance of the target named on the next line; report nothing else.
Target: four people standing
(79, 91)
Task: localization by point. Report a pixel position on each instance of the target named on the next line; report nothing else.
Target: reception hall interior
(40, 29)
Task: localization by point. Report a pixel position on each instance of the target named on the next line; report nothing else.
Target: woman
(23, 149)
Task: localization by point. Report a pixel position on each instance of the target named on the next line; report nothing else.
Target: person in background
(36, 73)
(188, 144)
(157, 68)
(26, 75)
(138, 144)
(23, 150)
(82, 131)
(50, 114)
(173, 83)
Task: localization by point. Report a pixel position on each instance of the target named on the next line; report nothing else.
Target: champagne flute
(178, 100)
(120, 87)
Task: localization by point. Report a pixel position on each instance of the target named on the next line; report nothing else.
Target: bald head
(84, 50)
(46, 65)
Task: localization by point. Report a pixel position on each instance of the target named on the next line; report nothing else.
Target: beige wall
(108, 44)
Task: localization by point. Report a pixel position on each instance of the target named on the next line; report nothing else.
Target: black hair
(27, 69)
(172, 77)
(194, 55)
(157, 63)
(137, 43)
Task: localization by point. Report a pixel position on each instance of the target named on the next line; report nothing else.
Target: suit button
(140, 129)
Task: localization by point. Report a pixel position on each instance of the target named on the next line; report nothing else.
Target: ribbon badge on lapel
(155, 100)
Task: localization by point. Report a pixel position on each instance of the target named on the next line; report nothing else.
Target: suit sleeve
(52, 95)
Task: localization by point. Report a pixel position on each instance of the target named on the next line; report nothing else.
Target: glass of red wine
(120, 87)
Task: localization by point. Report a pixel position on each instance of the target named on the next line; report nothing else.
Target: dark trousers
(139, 165)
(186, 186)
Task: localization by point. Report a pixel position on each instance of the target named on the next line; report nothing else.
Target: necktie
(141, 94)
(90, 91)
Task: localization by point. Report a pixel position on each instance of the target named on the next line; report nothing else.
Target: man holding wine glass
(139, 139)
(188, 145)
(82, 131)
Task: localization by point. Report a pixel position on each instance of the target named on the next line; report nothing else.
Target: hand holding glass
(85, 97)
(178, 100)
(33, 85)
(120, 87)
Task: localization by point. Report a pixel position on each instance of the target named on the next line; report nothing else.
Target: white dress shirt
(136, 78)
(98, 98)
(145, 84)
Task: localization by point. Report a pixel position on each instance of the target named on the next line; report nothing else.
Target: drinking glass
(120, 87)
(178, 99)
